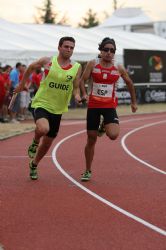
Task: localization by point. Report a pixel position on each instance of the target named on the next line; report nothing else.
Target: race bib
(102, 90)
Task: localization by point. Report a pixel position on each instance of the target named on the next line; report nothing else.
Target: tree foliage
(90, 20)
(115, 4)
(46, 13)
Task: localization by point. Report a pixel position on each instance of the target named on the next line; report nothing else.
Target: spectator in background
(2, 93)
(14, 78)
(24, 96)
(6, 72)
(36, 78)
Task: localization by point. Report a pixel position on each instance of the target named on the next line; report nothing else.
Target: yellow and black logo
(68, 78)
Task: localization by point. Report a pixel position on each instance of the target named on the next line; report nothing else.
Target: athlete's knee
(113, 136)
(42, 130)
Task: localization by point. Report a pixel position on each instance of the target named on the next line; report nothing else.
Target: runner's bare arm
(35, 65)
(130, 87)
(76, 89)
(85, 76)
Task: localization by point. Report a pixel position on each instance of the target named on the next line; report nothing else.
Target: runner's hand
(85, 98)
(77, 99)
(134, 107)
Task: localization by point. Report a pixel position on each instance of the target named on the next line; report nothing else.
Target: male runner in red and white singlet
(102, 100)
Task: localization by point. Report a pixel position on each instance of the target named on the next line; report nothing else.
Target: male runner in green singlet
(60, 80)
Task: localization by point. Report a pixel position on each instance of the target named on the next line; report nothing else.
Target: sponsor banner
(123, 96)
(146, 66)
(154, 95)
(144, 95)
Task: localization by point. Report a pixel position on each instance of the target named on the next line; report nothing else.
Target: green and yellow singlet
(55, 90)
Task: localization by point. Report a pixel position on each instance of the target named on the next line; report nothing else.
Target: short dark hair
(105, 41)
(66, 38)
(7, 67)
(18, 65)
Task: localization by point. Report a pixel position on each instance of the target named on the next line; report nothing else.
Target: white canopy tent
(27, 42)
(127, 16)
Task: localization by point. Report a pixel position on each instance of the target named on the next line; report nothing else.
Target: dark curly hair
(105, 41)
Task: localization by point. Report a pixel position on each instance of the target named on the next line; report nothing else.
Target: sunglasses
(109, 49)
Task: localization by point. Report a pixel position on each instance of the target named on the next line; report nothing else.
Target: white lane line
(132, 155)
(96, 196)
(68, 123)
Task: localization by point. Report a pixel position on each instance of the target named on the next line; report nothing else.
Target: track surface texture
(123, 207)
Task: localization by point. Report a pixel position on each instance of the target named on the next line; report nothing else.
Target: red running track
(122, 207)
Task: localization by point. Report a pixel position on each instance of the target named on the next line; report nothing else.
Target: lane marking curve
(96, 196)
(134, 156)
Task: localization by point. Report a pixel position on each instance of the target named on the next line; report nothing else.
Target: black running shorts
(93, 117)
(53, 119)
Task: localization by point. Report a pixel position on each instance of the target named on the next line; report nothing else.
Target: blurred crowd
(9, 79)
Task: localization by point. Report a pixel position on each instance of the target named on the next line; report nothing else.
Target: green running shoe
(33, 170)
(101, 129)
(86, 175)
(32, 149)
